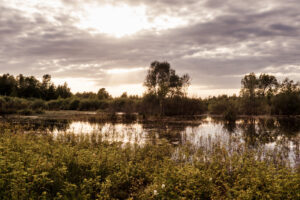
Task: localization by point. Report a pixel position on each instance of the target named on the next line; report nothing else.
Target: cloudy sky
(110, 43)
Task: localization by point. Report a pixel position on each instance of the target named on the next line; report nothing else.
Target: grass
(35, 166)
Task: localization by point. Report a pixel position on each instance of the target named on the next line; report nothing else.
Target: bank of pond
(148, 106)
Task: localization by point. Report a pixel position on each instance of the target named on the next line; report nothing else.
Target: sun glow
(123, 20)
(122, 70)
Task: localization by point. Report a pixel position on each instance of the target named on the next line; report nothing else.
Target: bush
(226, 106)
(74, 105)
(38, 104)
(149, 105)
(85, 167)
(286, 104)
(59, 104)
(126, 105)
(89, 104)
(230, 114)
(218, 107)
(183, 106)
(10, 105)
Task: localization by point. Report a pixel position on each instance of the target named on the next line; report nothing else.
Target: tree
(63, 91)
(249, 85)
(103, 94)
(46, 81)
(124, 95)
(7, 84)
(248, 92)
(163, 81)
(267, 84)
(287, 102)
(47, 88)
(28, 87)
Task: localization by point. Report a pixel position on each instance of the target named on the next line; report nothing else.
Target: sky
(92, 44)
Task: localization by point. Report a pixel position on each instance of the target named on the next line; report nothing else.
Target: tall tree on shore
(63, 91)
(103, 94)
(162, 81)
(7, 85)
(267, 84)
(249, 92)
(287, 101)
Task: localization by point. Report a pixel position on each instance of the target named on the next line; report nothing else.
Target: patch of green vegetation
(85, 167)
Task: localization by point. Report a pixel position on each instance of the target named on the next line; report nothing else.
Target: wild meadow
(69, 166)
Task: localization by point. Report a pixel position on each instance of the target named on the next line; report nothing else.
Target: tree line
(30, 87)
(259, 95)
(166, 95)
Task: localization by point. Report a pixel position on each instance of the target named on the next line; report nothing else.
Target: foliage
(267, 85)
(183, 106)
(103, 94)
(287, 102)
(230, 114)
(163, 81)
(166, 95)
(30, 87)
(10, 105)
(218, 105)
(85, 167)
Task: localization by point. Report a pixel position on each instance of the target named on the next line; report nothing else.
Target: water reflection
(275, 134)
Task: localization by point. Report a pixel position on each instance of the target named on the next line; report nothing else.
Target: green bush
(85, 167)
(183, 106)
(59, 104)
(10, 105)
(54, 104)
(286, 104)
(89, 104)
(74, 104)
(38, 104)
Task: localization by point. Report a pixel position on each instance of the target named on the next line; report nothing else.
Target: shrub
(89, 104)
(183, 106)
(85, 167)
(10, 105)
(38, 104)
(230, 114)
(74, 105)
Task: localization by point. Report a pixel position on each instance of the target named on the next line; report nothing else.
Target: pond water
(269, 134)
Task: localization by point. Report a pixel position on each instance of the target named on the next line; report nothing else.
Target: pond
(279, 135)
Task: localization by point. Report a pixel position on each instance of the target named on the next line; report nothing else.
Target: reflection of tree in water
(289, 126)
(60, 125)
(230, 127)
(38, 125)
(282, 135)
(171, 131)
(267, 130)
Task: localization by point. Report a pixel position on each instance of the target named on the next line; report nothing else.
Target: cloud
(219, 42)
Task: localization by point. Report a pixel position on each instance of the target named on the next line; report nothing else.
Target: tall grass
(34, 166)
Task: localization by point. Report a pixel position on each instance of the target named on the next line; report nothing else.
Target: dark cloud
(238, 38)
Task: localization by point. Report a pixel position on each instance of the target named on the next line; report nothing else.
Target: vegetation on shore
(166, 95)
(85, 167)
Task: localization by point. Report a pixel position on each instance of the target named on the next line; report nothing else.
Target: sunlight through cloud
(123, 20)
(123, 70)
